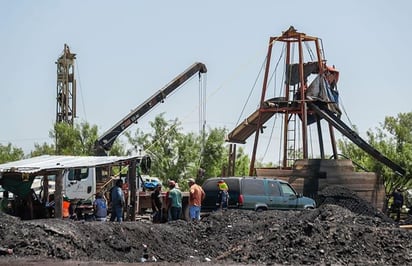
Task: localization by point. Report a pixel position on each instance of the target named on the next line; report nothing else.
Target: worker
(156, 198)
(174, 202)
(4, 204)
(397, 203)
(100, 207)
(196, 196)
(66, 207)
(118, 202)
(222, 195)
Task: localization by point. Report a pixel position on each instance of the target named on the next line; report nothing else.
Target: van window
(78, 173)
(287, 189)
(273, 188)
(209, 186)
(253, 187)
(233, 184)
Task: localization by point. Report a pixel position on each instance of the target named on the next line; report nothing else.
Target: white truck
(77, 178)
(39, 181)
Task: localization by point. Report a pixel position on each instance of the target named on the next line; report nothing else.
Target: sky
(128, 50)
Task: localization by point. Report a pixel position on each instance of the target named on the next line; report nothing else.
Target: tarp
(321, 90)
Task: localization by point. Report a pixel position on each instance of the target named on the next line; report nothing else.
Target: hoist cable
(251, 91)
(274, 93)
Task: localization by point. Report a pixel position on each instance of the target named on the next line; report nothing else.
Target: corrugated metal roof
(56, 162)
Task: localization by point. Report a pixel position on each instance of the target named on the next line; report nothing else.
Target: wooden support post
(58, 195)
(134, 193)
(45, 188)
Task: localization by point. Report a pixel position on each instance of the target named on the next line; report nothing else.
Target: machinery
(105, 141)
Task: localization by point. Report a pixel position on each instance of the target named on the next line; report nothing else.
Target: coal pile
(332, 234)
(339, 195)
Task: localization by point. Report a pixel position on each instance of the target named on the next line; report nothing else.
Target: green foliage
(10, 153)
(177, 156)
(78, 140)
(42, 149)
(242, 163)
(394, 140)
(117, 149)
(214, 153)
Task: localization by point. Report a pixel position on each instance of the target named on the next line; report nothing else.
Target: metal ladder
(291, 140)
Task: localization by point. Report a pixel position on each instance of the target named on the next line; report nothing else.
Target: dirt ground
(343, 230)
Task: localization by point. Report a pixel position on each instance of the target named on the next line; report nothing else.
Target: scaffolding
(66, 87)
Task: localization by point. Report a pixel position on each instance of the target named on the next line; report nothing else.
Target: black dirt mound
(335, 233)
(342, 196)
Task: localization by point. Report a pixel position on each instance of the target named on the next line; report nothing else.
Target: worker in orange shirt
(196, 196)
(66, 207)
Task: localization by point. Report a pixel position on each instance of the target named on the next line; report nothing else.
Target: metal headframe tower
(66, 87)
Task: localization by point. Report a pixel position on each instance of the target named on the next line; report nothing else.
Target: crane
(106, 140)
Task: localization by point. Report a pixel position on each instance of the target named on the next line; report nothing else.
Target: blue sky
(127, 50)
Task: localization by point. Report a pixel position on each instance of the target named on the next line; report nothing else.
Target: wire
(202, 117)
(344, 111)
(274, 93)
(250, 93)
(311, 54)
(80, 89)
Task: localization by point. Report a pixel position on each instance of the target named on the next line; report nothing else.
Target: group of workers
(173, 198)
(117, 201)
(173, 204)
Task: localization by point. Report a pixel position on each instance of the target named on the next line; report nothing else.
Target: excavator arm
(105, 141)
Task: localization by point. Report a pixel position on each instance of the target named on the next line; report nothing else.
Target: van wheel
(260, 209)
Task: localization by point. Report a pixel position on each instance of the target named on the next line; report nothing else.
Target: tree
(78, 140)
(214, 154)
(10, 153)
(178, 156)
(242, 163)
(74, 140)
(42, 149)
(394, 140)
(162, 146)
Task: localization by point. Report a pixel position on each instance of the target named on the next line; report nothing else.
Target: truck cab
(80, 183)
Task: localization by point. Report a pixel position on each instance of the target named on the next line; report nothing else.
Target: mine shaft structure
(66, 87)
(307, 95)
(293, 104)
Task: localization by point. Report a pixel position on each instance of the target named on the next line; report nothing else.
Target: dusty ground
(342, 230)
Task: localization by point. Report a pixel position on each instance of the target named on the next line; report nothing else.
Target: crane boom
(105, 141)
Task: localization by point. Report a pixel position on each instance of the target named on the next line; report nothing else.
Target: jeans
(157, 216)
(175, 213)
(117, 214)
(194, 212)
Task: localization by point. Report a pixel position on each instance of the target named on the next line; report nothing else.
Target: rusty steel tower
(66, 87)
(307, 95)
